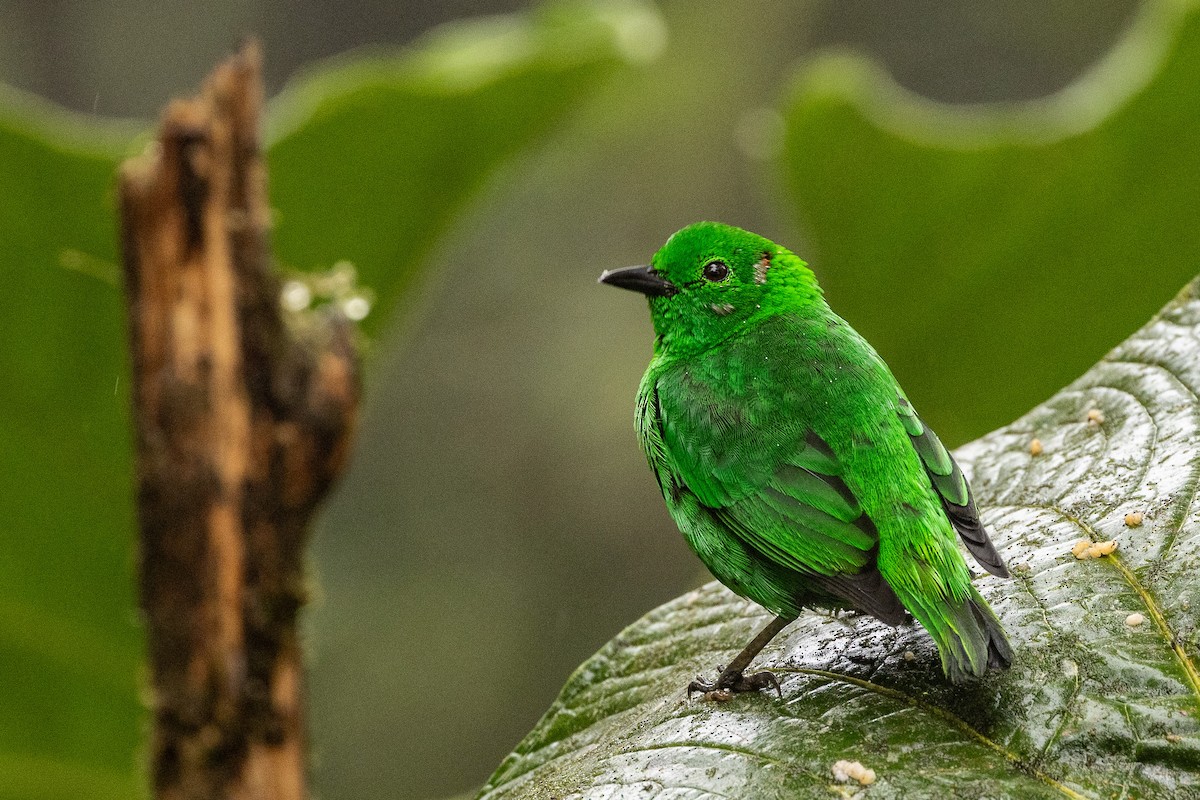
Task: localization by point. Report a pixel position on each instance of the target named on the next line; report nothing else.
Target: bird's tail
(969, 637)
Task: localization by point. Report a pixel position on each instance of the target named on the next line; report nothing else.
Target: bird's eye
(716, 271)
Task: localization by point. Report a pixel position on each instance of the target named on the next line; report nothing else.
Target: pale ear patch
(761, 267)
(722, 309)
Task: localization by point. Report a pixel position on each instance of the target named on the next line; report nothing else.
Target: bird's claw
(731, 682)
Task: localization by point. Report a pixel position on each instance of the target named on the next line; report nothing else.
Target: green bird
(791, 460)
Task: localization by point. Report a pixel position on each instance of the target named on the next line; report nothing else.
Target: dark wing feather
(953, 490)
(866, 591)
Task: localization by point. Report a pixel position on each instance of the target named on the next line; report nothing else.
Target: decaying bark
(242, 421)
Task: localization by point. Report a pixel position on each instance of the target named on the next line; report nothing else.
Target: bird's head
(711, 280)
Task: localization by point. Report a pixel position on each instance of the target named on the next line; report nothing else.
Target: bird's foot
(731, 682)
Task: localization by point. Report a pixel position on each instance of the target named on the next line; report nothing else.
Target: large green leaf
(370, 160)
(1095, 704)
(971, 219)
(68, 642)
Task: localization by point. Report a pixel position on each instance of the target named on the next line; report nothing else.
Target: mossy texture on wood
(1093, 707)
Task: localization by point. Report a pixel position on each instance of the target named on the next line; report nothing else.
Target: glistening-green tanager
(790, 458)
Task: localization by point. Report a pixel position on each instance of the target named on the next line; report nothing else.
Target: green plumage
(790, 458)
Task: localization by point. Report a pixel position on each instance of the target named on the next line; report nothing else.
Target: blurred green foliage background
(498, 523)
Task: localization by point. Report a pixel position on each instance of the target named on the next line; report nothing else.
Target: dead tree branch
(242, 421)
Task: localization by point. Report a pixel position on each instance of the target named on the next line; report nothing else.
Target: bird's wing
(785, 499)
(951, 486)
(807, 519)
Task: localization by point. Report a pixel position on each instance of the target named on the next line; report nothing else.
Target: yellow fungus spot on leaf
(1085, 549)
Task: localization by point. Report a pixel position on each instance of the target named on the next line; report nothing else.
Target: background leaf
(371, 159)
(345, 167)
(970, 219)
(1095, 705)
(67, 634)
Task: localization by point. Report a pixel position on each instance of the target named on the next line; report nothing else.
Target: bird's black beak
(639, 279)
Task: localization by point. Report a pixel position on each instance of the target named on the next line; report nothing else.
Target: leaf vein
(1151, 604)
